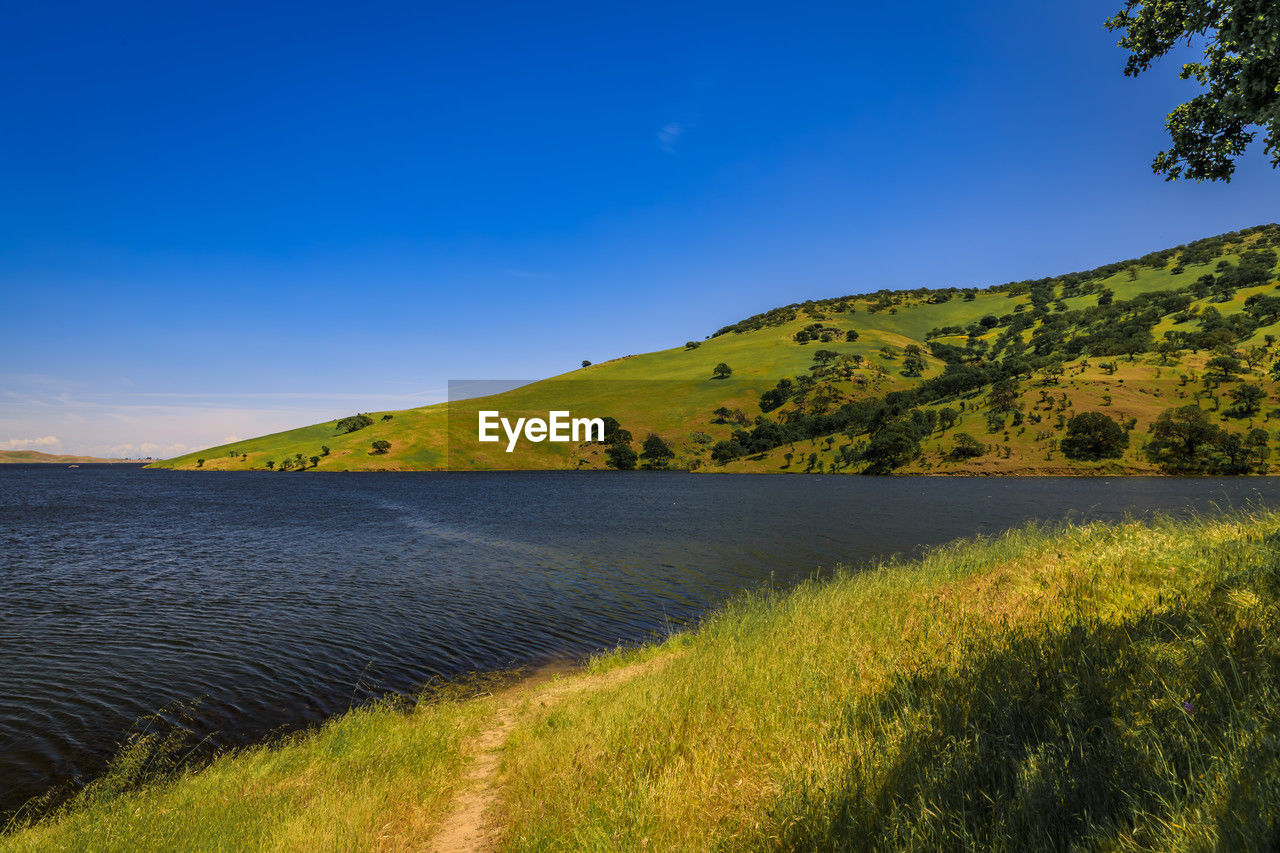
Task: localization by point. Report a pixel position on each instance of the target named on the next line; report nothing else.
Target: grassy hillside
(1086, 687)
(29, 456)
(889, 381)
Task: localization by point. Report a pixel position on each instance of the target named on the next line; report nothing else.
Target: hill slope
(961, 380)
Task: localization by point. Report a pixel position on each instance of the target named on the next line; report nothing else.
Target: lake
(279, 600)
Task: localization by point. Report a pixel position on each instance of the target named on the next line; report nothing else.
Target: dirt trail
(473, 822)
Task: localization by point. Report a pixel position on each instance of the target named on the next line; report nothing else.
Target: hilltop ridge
(1171, 356)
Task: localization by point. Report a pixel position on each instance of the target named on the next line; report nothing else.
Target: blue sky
(219, 221)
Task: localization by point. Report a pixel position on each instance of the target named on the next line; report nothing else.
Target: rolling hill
(1175, 352)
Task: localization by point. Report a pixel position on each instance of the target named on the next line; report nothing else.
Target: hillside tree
(655, 453)
(1092, 436)
(1182, 439)
(913, 360)
(1246, 400)
(620, 455)
(966, 447)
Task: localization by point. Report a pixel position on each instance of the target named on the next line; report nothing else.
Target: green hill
(1175, 351)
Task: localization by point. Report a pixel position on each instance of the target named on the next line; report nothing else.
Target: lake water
(280, 600)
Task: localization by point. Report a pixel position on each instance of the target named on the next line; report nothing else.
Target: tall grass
(1101, 686)
(378, 777)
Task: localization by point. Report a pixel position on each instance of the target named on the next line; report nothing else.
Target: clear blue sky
(226, 219)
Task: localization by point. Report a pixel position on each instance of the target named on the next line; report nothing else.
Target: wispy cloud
(669, 135)
(45, 442)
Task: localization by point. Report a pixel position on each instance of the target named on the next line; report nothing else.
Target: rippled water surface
(278, 600)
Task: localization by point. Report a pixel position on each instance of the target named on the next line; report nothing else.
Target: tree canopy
(1240, 75)
(620, 455)
(353, 423)
(656, 453)
(1092, 436)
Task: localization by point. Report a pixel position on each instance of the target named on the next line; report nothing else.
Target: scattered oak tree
(1182, 440)
(966, 447)
(1246, 400)
(655, 454)
(1092, 436)
(620, 455)
(912, 360)
(353, 423)
(723, 451)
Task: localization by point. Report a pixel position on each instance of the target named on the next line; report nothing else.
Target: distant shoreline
(28, 457)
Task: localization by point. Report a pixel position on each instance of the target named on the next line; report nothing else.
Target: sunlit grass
(1104, 686)
(377, 777)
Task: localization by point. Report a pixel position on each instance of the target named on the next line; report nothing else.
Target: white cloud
(668, 136)
(47, 442)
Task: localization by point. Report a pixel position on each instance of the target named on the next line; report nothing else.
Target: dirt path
(473, 822)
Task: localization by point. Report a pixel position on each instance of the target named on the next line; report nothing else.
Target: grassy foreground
(1098, 686)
